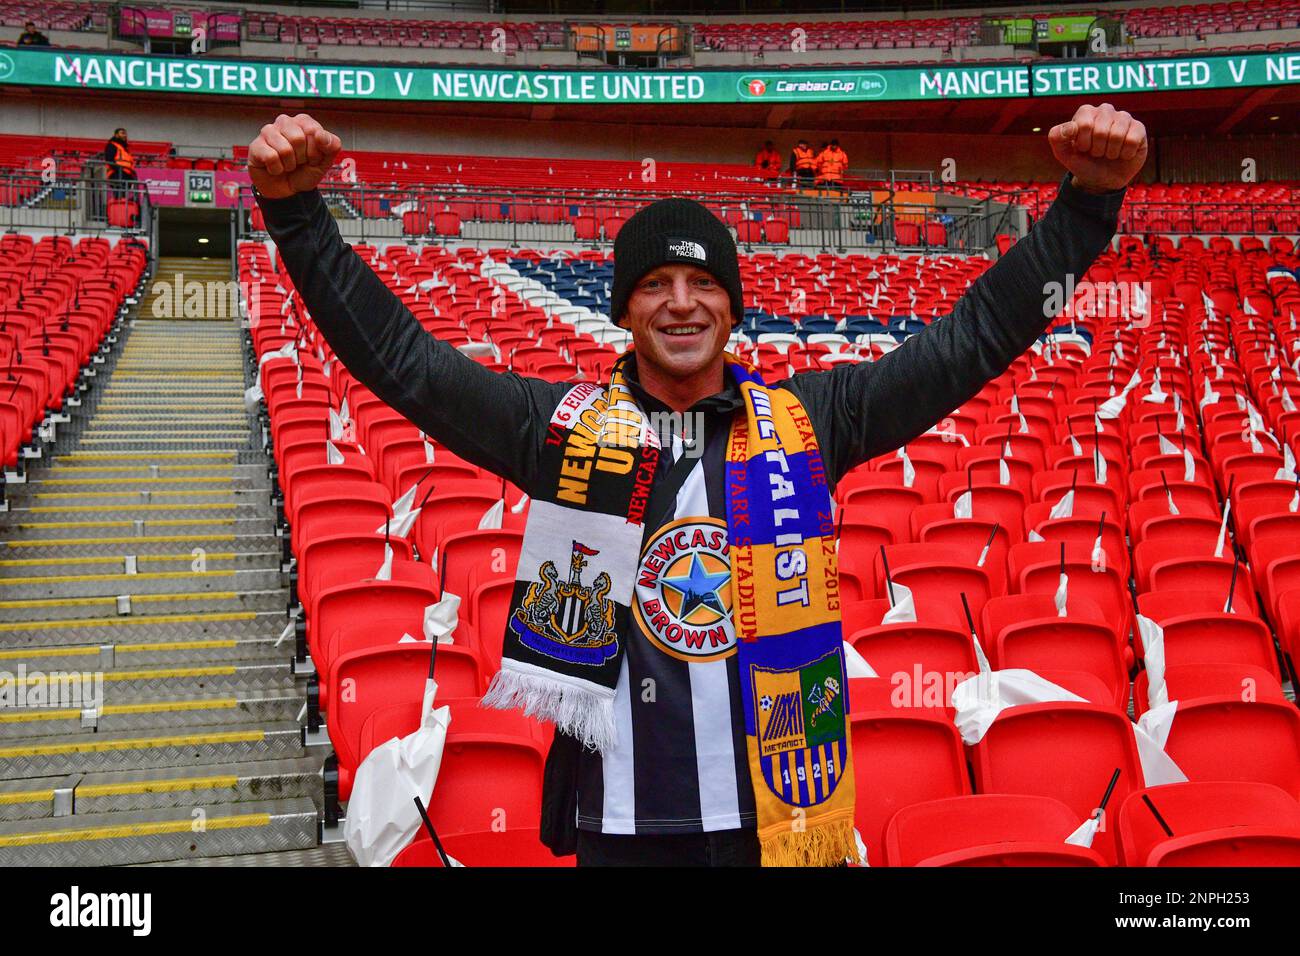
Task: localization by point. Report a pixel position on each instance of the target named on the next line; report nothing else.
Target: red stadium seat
(446, 223)
(1061, 644)
(901, 757)
(1082, 744)
(361, 682)
(513, 847)
(1230, 739)
(415, 222)
(339, 607)
(491, 771)
(1213, 823)
(986, 830)
(1188, 681)
(471, 558)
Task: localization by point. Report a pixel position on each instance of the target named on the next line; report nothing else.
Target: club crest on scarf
(568, 620)
(683, 590)
(801, 741)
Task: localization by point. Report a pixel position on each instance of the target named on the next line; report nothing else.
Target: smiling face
(680, 318)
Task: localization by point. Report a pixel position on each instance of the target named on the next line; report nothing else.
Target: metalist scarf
(570, 613)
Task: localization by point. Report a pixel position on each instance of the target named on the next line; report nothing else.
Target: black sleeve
(863, 410)
(495, 420)
(110, 153)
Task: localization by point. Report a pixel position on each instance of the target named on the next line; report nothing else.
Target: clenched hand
(291, 155)
(1102, 147)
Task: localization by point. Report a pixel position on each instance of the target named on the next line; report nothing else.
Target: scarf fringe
(824, 844)
(579, 713)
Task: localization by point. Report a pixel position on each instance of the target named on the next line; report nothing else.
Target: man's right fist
(291, 155)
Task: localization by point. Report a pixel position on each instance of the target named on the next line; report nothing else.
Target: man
(710, 727)
(32, 36)
(768, 161)
(803, 164)
(120, 164)
(832, 164)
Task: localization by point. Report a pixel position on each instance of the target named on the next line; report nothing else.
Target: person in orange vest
(832, 164)
(768, 161)
(119, 162)
(803, 163)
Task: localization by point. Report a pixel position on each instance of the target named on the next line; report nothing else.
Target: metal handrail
(73, 204)
(685, 49)
(841, 222)
(577, 40)
(1180, 218)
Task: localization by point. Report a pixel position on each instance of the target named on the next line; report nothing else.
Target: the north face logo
(687, 249)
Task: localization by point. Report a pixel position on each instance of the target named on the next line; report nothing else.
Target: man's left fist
(1102, 147)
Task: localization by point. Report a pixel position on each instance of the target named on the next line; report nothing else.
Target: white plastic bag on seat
(902, 605)
(382, 817)
(855, 664)
(978, 700)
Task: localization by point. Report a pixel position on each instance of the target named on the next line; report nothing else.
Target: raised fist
(291, 155)
(1102, 147)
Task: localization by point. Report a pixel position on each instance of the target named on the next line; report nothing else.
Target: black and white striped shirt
(680, 764)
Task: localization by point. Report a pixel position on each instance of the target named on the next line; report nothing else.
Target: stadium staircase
(143, 547)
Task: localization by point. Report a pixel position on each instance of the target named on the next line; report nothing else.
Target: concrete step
(168, 421)
(327, 854)
(92, 477)
(144, 628)
(167, 426)
(27, 689)
(168, 833)
(93, 793)
(75, 564)
(122, 488)
(196, 650)
(119, 403)
(143, 459)
(131, 602)
(158, 391)
(57, 586)
(65, 513)
(122, 442)
(142, 526)
(83, 716)
(150, 748)
(30, 502)
(142, 544)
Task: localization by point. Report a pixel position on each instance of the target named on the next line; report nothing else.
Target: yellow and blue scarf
(570, 616)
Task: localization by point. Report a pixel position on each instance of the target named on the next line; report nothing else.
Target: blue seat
(774, 324)
(810, 326)
(863, 325)
(905, 325)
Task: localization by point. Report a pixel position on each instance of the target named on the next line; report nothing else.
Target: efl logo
(757, 87)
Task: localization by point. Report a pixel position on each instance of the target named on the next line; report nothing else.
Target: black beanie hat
(668, 231)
